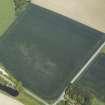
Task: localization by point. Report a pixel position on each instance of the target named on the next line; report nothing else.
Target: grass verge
(7, 14)
(26, 99)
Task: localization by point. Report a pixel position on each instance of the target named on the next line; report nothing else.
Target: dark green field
(45, 50)
(94, 78)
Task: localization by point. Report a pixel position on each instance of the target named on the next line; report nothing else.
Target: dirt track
(89, 12)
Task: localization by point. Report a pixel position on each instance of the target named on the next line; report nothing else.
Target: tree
(76, 95)
(19, 5)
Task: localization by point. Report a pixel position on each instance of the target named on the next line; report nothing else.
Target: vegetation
(97, 102)
(94, 78)
(20, 5)
(7, 14)
(76, 95)
(2, 81)
(62, 103)
(30, 50)
(23, 97)
(9, 11)
(103, 50)
(26, 99)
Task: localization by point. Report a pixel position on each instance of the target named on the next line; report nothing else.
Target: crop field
(45, 50)
(7, 14)
(94, 78)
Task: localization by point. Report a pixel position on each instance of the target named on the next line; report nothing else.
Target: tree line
(20, 5)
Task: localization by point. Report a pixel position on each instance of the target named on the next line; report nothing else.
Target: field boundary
(35, 96)
(88, 62)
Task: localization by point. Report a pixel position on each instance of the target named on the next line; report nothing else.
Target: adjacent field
(5, 100)
(45, 50)
(94, 78)
(7, 14)
(89, 12)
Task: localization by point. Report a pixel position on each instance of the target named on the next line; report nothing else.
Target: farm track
(81, 71)
(74, 79)
(86, 65)
(36, 97)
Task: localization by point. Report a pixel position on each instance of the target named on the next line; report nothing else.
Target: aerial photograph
(52, 52)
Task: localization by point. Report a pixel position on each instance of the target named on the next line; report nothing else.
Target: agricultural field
(96, 101)
(7, 14)
(19, 93)
(45, 50)
(94, 78)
